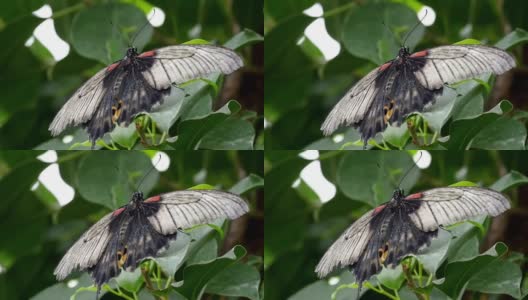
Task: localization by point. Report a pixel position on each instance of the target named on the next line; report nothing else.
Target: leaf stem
(339, 10)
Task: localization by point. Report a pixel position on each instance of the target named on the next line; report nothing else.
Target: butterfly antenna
(414, 27)
(410, 169)
(143, 27)
(146, 174)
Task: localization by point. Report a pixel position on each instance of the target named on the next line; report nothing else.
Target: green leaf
(321, 289)
(22, 215)
(515, 37)
(281, 9)
(502, 134)
(125, 136)
(391, 278)
(243, 38)
(463, 131)
(374, 185)
(93, 35)
(231, 134)
(130, 281)
(62, 291)
(197, 276)
(498, 277)
(512, 179)
(191, 131)
(238, 280)
(462, 272)
(110, 180)
(378, 44)
(247, 184)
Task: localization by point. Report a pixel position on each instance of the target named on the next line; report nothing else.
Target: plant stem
(339, 9)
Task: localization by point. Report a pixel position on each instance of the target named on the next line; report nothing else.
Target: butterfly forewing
(449, 205)
(184, 209)
(348, 248)
(178, 64)
(450, 64)
(87, 250)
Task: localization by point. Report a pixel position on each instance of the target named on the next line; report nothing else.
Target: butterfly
(134, 84)
(143, 228)
(403, 226)
(406, 84)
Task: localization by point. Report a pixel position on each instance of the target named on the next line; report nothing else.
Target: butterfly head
(137, 197)
(404, 52)
(398, 195)
(131, 52)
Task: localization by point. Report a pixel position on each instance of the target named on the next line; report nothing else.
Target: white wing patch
(347, 248)
(450, 64)
(449, 205)
(87, 250)
(184, 209)
(81, 106)
(354, 105)
(181, 63)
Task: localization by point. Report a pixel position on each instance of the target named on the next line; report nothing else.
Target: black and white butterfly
(144, 228)
(406, 84)
(134, 84)
(404, 225)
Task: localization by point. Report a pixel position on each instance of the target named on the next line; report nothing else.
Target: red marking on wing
(420, 54)
(414, 196)
(148, 53)
(385, 66)
(112, 66)
(153, 199)
(118, 211)
(378, 209)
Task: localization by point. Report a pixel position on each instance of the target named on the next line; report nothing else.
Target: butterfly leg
(448, 231)
(452, 88)
(181, 89)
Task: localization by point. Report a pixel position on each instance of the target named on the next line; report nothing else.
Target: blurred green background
(303, 83)
(34, 86)
(36, 229)
(304, 217)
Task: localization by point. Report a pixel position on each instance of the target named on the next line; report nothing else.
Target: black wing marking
(128, 93)
(184, 209)
(449, 205)
(450, 64)
(400, 94)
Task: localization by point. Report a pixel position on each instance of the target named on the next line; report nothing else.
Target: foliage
(37, 231)
(196, 115)
(300, 227)
(302, 87)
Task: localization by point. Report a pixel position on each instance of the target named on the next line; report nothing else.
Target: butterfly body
(409, 83)
(134, 84)
(144, 228)
(404, 226)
